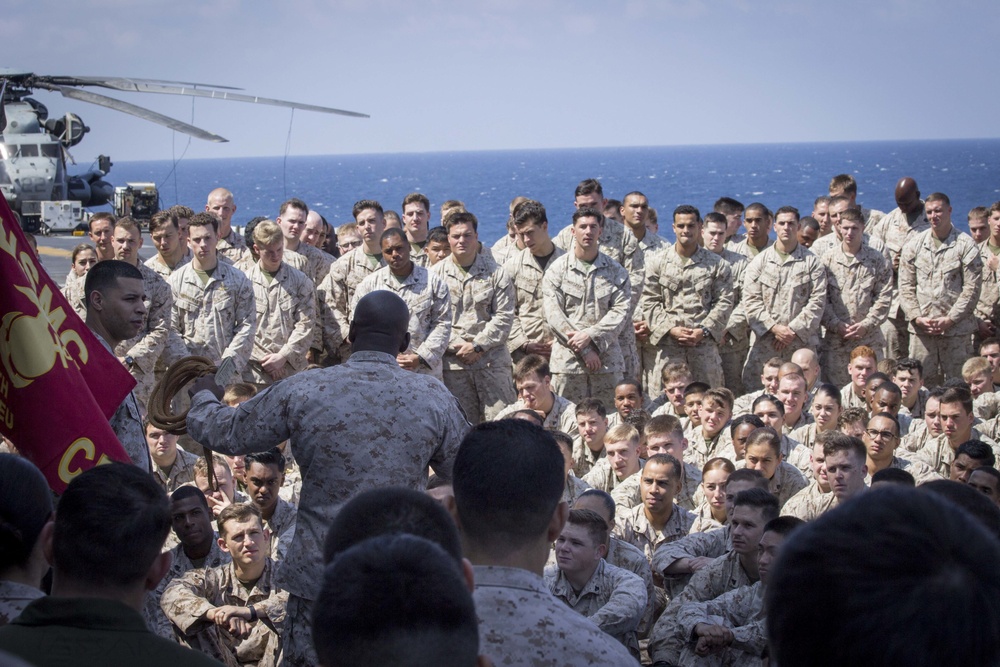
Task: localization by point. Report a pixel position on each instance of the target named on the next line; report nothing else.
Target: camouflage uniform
(695, 292)
(986, 406)
(562, 416)
(988, 307)
(724, 574)
(317, 262)
(574, 488)
(634, 262)
(615, 599)
(700, 450)
(233, 248)
(384, 431)
(615, 241)
(809, 503)
(742, 611)
(593, 298)
(180, 564)
(937, 454)
(584, 459)
(529, 325)
(736, 339)
(126, 422)
(602, 476)
(895, 230)
(789, 291)
(281, 527)
(482, 307)
(188, 597)
(429, 302)
(157, 264)
(504, 249)
(849, 399)
(286, 315)
(216, 320)
(522, 623)
(786, 482)
(859, 289)
(179, 474)
(703, 519)
(336, 294)
(14, 597)
(73, 291)
(637, 531)
(146, 346)
(651, 243)
(941, 279)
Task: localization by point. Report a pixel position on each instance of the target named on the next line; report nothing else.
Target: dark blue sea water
(775, 174)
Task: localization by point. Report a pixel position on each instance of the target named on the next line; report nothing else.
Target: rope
(160, 411)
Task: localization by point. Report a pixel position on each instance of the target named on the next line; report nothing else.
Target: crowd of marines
(708, 396)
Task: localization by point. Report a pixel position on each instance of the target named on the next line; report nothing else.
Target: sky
(446, 75)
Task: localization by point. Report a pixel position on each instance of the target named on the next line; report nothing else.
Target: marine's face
(880, 438)
(84, 260)
(292, 222)
(101, 233)
(634, 210)
(939, 216)
(763, 458)
(979, 229)
(415, 218)
(396, 253)
(533, 390)
(263, 484)
(593, 200)
(592, 428)
(758, 226)
(786, 227)
(687, 228)
(122, 311)
(587, 232)
(627, 399)
(243, 540)
(714, 236)
(576, 550)
(222, 207)
(657, 487)
(203, 242)
(191, 521)
(166, 239)
(845, 473)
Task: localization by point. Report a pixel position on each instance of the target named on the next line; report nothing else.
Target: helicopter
(34, 148)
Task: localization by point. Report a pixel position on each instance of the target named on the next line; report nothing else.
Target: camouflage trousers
(835, 354)
(942, 356)
(482, 392)
(575, 387)
(704, 361)
(763, 349)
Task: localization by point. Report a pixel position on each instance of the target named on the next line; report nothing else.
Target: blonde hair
(620, 432)
(266, 233)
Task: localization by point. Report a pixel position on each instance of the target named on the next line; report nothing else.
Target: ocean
(968, 171)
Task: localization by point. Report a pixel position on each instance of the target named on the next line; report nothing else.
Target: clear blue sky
(450, 75)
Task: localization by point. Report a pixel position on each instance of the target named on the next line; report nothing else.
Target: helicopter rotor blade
(123, 83)
(136, 85)
(140, 112)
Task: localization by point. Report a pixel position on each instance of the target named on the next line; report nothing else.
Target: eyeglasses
(347, 245)
(880, 435)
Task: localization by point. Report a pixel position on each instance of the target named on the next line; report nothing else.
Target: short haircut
(726, 206)
(105, 274)
(995, 207)
(629, 382)
(863, 351)
(852, 214)
(112, 522)
(416, 198)
(393, 232)
(437, 235)
(189, 491)
(461, 218)
(364, 205)
(784, 525)
(394, 600)
(605, 497)
(182, 212)
(761, 499)
(951, 395)
(718, 463)
(591, 405)
(937, 196)
(765, 436)
(621, 432)
(773, 362)
(675, 370)
(889, 416)
(719, 395)
(991, 471)
(753, 420)
(25, 508)
(101, 216)
(528, 415)
(128, 224)
(839, 199)
(809, 222)
(759, 207)
(889, 386)
(978, 451)
(529, 212)
(249, 230)
(163, 219)
(204, 219)
(564, 440)
(509, 476)
(687, 209)
(532, 364)
(237, 512)
(347, 229)
(270, 457)
(676, 467)
(589, 186)
(239, 392)
(391, 511)
(887, 365)
(769, 398)
(267, 233)
(875, 380)
(894, 476)
(843, 183)
(974, 366)
(910, 364)
(201, 465)
(295, 203)
(824, 598)
(852, 416)
(992, 340)
(594, 523)
(715, 218)
(788, 209)
(587, 212)
(756, 477)
(663, 425)
(838, 442)
(696, 387)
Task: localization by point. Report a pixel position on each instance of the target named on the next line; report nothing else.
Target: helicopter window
(29, 150)
(50, 150)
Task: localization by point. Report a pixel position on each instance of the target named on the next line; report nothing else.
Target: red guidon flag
(58, 384)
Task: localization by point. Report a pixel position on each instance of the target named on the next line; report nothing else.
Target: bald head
(808, 361)
(907, 195)
(222, 205)
(380, 324)
(788, 368)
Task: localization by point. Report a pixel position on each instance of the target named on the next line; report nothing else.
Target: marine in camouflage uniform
(286, 315)
(742, 611)
(180, 564)
(336, 293)
(145, 348)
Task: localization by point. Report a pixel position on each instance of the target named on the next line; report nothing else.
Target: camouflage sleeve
(241, 345)
(806, 323)
(255, 426)
(879, 311)
(188, 597)
(626, 605)
(709, 545)
(305, 320)
(326, 317)
(149, 347)
(554, 301)
(498, 329)
(722, 302)
(908, 279)
(757, 316)
(605, 331)
(452, 429)
(972, 276)
(434, 346)
(652, 303)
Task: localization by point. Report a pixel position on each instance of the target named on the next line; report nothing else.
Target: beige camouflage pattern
(126, 422)
(530, 324)
(429, 302)
(742, 611)
(386, 430)
(180, 564)
(179, 474)
(809, 503)
(937, 454)
(562, 416)
(859, 290)
(146, 346)
(614, 598)
(687, 292)
(233, 248)
(217, 320)
(574, 487)
(336, 293)
(522, 623)
(504, 249)
(157, 264)
(585, 458)
(73, 291)
(317, 262)
(635, 529)
(14, 597)
(286, 315)
(791, 292)
(736, 339)
(602, 476)
(189, 596)
(988, 306)
(703, 519)
(614, 241)
(482, 309)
